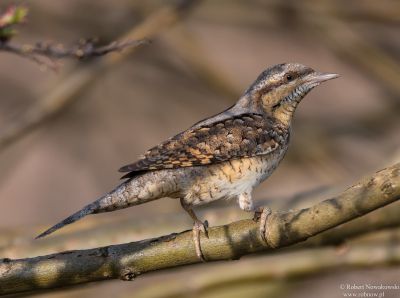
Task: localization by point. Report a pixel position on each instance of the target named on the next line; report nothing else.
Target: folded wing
(244, 135)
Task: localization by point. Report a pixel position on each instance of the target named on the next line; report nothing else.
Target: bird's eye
(289, 77)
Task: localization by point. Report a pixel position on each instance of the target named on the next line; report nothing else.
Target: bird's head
(279, 89)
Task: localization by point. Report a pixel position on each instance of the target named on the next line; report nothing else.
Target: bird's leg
(198, 226)
(261, 213)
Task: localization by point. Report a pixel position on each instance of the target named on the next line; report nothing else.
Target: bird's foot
(262, 214)
(197, 227)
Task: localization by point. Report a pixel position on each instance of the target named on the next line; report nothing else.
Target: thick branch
(95, 232)
(283, 267)
(232, 241)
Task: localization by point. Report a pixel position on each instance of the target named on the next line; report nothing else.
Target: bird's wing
(243, 135)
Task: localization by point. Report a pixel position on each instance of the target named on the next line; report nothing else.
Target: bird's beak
(318, 77)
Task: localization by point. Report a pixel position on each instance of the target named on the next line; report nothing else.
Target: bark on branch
(126, 261)
(44, 53)
(275, 269)
(86, 75)
(95, 232)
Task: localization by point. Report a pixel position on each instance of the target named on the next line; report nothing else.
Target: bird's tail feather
(89, 209)
(136, 191)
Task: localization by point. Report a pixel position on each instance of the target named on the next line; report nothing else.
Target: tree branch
(126, 261)
(283, 267)
(84, 76)
(94, 232)
(45, 52)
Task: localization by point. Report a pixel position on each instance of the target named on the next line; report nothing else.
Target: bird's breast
(230, 179)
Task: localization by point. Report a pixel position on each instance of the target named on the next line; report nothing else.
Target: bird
(224, 156)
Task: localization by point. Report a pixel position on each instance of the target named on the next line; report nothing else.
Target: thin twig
(42, 52)
(84, 76)
(126, 261)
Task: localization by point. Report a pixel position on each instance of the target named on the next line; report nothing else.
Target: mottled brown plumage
(246, 135)
(222, 157)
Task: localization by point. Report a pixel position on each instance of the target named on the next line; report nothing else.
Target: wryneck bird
(222, 157)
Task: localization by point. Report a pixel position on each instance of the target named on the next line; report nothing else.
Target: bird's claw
(204, 228)
(262, 214)
(197, 227)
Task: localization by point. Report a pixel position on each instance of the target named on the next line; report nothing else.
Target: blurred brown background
(198, 67)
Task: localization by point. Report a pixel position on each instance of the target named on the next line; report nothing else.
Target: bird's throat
(284, 110)
(284, 113)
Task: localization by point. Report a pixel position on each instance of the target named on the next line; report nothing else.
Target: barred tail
(142, 189)
(89, 209)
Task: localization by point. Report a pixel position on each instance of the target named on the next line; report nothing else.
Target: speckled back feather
(239, 136)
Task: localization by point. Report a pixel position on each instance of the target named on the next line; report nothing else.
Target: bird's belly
(229, 179)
